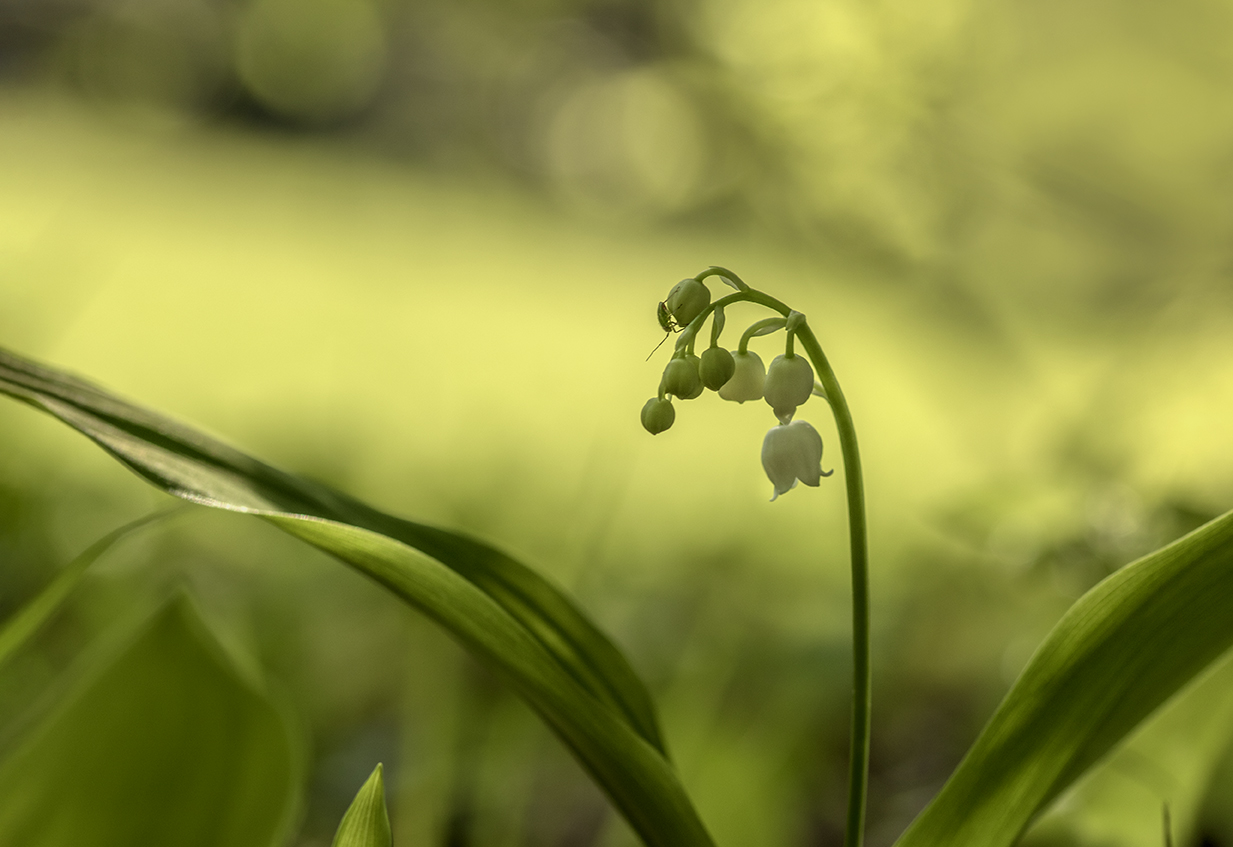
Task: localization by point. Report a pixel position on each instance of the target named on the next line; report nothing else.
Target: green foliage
(1120, 652)
(18, 629)
(1169, 761)
(167, 745)
(556, 658)
(1124, 648)
(366, 823)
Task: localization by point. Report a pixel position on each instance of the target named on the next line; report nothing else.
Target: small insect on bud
(717, 368)
(746, 381)
(681, 378)
(686, 301)
(658, 415)
(666, 321)
(789, 383)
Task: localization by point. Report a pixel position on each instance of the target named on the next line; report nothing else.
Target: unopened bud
(789, 383)
(681, 378)
(687, 299)
(717, 368)
(658, 415)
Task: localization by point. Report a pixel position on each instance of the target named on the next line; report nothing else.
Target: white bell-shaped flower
(747, 378)
(792, 452)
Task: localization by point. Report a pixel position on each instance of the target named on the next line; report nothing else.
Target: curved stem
(747, 296)
(858, 767)
(762, 327)
(716, 270)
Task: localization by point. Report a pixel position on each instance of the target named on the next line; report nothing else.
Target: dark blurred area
(413, 249)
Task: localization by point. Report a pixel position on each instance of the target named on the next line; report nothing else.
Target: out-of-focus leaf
(1117, 654)
(26, 622)
(366, 823)
(167, 745)
(558, 660)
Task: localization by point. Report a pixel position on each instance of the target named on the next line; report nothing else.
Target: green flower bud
(716, 368)
(686, 300)
(697, 363)
(746, 381)
(681, 378)
(789, 383)
(657, 415)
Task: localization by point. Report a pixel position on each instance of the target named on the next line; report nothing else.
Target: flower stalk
(691, 320)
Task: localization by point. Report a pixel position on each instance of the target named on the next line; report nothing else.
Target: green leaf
(1121, 651)
(366, 823)
(1170, 760)
(167, 745)
(556, 658)
(19, 628)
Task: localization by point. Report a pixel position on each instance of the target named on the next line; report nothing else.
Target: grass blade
(557, 659)
(1119, 652)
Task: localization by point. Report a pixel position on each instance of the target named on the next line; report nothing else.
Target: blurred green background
(414, 250)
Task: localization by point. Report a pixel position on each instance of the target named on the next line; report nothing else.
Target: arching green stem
(762, 327)
(858, 770)
(858, 766)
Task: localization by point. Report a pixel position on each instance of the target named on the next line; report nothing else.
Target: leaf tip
(367, 822)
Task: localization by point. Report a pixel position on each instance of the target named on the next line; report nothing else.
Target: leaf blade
(1117, 654)
(195, 467)
(576, 679)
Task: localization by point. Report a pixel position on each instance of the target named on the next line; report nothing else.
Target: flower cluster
(792, 450)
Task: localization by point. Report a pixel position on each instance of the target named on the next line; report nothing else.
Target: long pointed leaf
(1169, 760)
(189, 464)
(1122, 650)
(19, 628)
(560, 662)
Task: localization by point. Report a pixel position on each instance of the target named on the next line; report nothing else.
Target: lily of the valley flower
(792, 452)
(747, 380)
